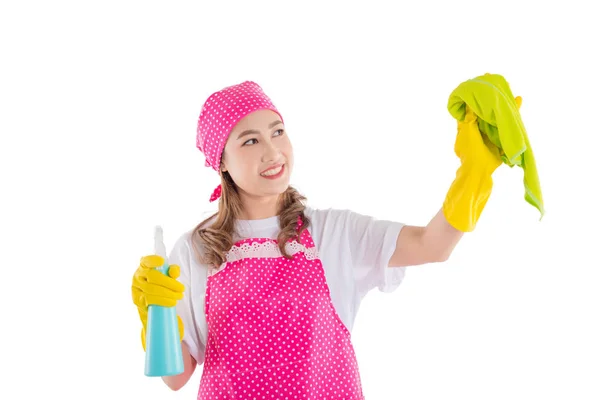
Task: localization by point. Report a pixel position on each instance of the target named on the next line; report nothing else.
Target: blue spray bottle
(163, 347)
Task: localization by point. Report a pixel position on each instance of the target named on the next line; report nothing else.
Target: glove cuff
(467, 197)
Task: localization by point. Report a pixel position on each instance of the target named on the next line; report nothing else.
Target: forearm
(418, 245)
(435, 242)
(176, 382)
(440, 238)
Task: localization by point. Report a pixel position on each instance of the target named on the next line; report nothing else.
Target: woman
(267, 289)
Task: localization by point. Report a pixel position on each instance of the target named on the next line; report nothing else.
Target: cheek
(241, 168)
(288, 150)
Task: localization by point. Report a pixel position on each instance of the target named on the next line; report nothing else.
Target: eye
(248, 141)
(279, 130)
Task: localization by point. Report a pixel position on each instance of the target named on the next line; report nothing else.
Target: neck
(255, 207)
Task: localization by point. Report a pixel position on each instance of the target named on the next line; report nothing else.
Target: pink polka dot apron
(273, 332)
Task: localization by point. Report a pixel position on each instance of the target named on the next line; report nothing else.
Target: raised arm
(463, 205)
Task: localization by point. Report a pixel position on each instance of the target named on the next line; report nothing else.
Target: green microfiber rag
(490, 98)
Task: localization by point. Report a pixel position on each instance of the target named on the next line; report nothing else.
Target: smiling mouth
(273, 172)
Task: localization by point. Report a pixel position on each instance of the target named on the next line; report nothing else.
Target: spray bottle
(163, 347)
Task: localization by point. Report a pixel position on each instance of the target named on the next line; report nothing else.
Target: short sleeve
(187, 307)
(372, 243)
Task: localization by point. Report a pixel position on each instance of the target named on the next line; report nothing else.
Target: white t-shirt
(354, 249)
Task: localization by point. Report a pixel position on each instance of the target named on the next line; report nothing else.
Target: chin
(279, 189)
(268, 191)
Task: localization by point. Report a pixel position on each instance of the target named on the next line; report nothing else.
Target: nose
(271, 153)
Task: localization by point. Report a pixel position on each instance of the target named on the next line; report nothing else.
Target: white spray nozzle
(159, 245)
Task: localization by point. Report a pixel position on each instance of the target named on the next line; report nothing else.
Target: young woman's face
(258, 154)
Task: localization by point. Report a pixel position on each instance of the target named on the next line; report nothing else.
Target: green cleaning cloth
(498, 117)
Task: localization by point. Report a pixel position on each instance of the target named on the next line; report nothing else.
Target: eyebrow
(251, 131)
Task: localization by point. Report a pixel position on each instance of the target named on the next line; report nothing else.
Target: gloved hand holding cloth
(490, 132)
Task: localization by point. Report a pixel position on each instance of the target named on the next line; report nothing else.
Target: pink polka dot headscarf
(220, 113)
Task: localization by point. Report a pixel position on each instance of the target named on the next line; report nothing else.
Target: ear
(222, 167)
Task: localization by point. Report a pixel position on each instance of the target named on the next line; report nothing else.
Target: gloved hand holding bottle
(150, 286)
(472, 186)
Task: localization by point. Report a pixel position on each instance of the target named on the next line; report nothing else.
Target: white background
(98, 109)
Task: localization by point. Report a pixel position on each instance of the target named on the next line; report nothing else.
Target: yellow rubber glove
(150, 287)
(472, 187)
